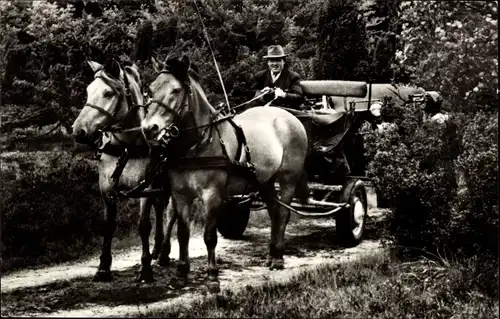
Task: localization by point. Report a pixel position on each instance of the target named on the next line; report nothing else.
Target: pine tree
(342, 52)
(383, 29)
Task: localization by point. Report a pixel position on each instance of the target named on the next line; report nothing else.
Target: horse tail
(302, 188)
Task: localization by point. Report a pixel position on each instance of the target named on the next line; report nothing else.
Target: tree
(47, 70)
(383, 29)
(342, 52)
(454, 50)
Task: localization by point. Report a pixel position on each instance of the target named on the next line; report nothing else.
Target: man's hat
(275, 52)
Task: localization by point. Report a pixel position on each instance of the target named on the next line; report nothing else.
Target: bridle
(113, 121)
(172, 130)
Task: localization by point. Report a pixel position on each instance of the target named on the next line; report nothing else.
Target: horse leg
(183, 208)
(210, 237)
(108, 228)
(146, 272)
(287, 192)
(159, 206)
(268, 193)
(164, 259)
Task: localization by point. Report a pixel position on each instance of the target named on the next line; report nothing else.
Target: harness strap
(135, 151)
(100, 109)
(115, 177)
(242, 142)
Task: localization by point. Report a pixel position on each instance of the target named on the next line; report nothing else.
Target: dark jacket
(288, 81)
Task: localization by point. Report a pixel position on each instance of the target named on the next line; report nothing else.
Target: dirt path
(68, 290)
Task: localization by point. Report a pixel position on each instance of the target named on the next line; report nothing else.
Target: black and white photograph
(249, 158)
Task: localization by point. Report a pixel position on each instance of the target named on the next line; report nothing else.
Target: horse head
(111, 97)
(177, 99)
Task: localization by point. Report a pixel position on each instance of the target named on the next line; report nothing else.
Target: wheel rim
(358, 217)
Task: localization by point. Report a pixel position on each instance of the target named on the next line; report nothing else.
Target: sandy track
(67, 289)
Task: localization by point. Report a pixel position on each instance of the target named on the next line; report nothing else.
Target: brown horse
(115, 99)
(202, 145)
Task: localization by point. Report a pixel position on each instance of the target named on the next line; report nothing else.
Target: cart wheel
(350, 222)
(232, 219)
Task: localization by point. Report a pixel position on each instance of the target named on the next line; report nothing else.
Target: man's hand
(267, 89)
(279, 93)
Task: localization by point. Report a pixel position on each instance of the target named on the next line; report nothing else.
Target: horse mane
(194, 73)
(135, 74)
(185, 71)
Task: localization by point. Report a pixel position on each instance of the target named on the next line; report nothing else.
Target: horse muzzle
(82, 137)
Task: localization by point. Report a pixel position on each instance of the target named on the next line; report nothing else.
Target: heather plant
(51, 208)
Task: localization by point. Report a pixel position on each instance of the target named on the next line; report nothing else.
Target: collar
(273, 77)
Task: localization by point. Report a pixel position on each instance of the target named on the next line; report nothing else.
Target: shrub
(411, 169)
(415, 166)
(51, 208)
(477, 224)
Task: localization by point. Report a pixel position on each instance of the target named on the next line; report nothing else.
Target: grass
(50, 209)
(373, 287)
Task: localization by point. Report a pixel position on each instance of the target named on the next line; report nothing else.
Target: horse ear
(185, 61)
(134, 71)
(135, 67)
(94, 66)
(157, 66)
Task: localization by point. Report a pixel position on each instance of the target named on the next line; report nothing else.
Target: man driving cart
(278, 83)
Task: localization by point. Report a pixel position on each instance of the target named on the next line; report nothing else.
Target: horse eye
(176, 91)
(109, 94)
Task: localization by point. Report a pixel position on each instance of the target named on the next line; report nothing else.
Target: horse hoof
(277, 264)
(145, 278)
(103, 276)
(213, 286)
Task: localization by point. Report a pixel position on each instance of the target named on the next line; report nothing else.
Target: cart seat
(334, 88)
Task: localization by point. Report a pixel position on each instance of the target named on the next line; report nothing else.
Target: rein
(244, 103)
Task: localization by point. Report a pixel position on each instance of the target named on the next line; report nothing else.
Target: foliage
(454, 50)
(45, 218)
(383, 30)
(412, 166)
(45, 66)
(372, 287)
(416, 165)
(343, 42)
(48, 42)
(477, 218)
